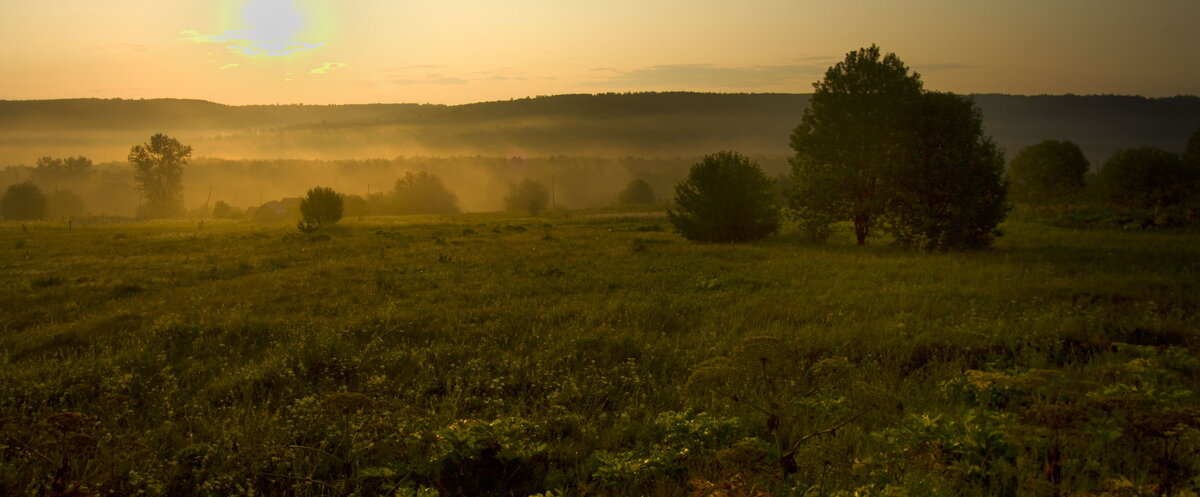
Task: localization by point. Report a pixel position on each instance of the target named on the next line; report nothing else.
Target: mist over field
(590, 146)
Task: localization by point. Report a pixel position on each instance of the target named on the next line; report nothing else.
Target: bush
(529, 195)
(638, 192)
(1145, 177)
(726, 197)
(23, 202)
(319, 208)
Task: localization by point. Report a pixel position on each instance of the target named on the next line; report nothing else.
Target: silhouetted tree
(947, 191)
(1048, 172)
(529, 195)
(50, 170)
(321, 207)
(423, 193)
(158, 171)
(849, 135)
(1145, 177)
(725, 197)
(23, 202)
(64, 203)
(638, 192)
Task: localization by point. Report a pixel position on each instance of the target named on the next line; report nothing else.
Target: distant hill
(675, 124)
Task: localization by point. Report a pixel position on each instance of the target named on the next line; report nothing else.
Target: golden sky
(457, 51)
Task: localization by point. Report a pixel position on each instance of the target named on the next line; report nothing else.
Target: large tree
(1048, 172)
(851, 132)
(947, 191)
(158, 171)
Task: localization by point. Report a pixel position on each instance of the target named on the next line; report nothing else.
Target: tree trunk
(861, 228)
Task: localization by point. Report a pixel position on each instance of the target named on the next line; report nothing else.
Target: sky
(458, 51)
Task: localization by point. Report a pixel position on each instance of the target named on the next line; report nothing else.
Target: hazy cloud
(419, 67)
(713, 76)
(328, 67)
(438, 79)
(432, 79)
(228, 66)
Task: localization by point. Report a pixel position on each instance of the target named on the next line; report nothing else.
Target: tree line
(877, 150)
(874, 149)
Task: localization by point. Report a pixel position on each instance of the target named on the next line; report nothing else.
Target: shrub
(638, 192)
(726, 197)
(319, 208)
(23, 202)
(529, 195)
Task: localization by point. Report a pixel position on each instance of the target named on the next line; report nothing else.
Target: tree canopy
(1145, 177)
(158, 171)
(423, 193)
(23, 202)
(1048, 171)
(948, 191)
(725, 198)
(638, 192)
(849, 135)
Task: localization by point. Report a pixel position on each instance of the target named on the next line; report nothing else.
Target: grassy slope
(208, 359)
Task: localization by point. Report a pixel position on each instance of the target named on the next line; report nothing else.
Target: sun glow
(269, 28)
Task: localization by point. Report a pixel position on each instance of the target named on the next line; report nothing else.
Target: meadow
(592, 352)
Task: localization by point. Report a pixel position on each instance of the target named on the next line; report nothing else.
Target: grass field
(591, 354)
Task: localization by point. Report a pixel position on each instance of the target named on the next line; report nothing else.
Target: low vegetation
(474, 355)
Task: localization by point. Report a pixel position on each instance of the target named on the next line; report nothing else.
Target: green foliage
(947, 191)
(850, 134)
(23, 202)
(725, 198)
(158, 171)
(1048, 172)
(680, 439)
(530, 196)
(1146, 177)
(638, 192)
(319, 208)
(423, 193)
